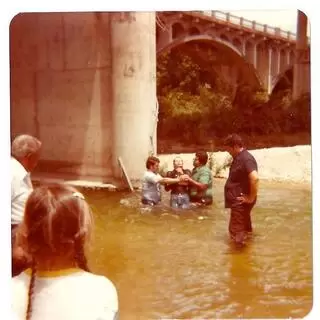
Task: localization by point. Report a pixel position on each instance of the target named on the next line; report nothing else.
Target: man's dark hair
(151, 161)
(233, 140)
(202, 156)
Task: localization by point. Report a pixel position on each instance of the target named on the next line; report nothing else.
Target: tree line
(195, 102)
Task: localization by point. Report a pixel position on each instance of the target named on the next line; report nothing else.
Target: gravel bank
(291, 164)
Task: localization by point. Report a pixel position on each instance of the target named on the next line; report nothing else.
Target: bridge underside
(228, 62)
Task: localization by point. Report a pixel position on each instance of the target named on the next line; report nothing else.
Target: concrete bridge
(250, 52)
(85, 83)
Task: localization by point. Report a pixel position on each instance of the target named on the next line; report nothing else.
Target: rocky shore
(290, 164)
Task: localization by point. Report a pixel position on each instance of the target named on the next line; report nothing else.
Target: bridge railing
(229, 18)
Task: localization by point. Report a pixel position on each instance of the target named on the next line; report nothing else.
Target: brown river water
(170, 264)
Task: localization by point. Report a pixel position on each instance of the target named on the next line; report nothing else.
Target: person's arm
(157, 178)
(168, 180)
(251, 167)
(203, 182)
(254, 185)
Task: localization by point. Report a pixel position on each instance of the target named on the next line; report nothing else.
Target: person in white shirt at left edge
(55, 231)
(25, 153)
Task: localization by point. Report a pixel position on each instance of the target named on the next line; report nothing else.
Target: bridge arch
(194, 31)
(177, 30)
(225, 46)
(284, 80)
(225, 38)
(237, 43)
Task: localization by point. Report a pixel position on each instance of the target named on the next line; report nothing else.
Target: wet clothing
(240, 221)
(180, 200)
(177, 188)
(238, 181)
(238, 184)
(179, 197)
(151, 193)
(203, 175)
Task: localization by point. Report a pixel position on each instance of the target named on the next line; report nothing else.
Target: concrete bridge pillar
(283, 60)
(263, 65)
(134, 89)
(301, 71)
(251, 53)
(230, 75)
(274, 65)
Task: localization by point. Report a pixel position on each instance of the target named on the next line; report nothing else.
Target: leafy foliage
(197, 103)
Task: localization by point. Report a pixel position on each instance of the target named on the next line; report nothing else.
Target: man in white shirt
(25, 153)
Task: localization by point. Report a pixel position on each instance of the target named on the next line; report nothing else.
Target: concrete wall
(84, 83)
(61, 87)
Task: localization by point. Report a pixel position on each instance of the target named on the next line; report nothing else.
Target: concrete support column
(278, 61)
(263, 65)
(269, 71)
(283, 60)
(301, 71)
(274, 66)
(292, 57)
(250, 53)
(230, 75)
(288, 57)
(134, 89)
(255, 55)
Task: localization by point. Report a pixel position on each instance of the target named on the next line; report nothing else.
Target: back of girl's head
(57, 220)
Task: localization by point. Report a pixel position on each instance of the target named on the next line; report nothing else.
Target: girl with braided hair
(58, 285)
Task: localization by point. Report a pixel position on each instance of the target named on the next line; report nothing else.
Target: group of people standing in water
(185, 186)
(51, 226)
(195, 187)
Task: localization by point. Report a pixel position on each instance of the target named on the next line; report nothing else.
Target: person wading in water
(179, 197)
(241, 188)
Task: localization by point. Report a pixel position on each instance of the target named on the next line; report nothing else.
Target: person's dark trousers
(240, 222)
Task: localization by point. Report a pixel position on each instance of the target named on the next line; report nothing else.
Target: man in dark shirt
(241, 188)
(179, 197)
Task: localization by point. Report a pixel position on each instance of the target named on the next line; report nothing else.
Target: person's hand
(184, 177)
(179, 170)
(184, 180)
(244, 199)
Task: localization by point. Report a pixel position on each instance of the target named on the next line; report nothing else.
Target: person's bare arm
(254, 186)
(168, 180)
(203, 182)
(198, 185)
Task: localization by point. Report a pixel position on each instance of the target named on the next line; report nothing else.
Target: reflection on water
(180, 264)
